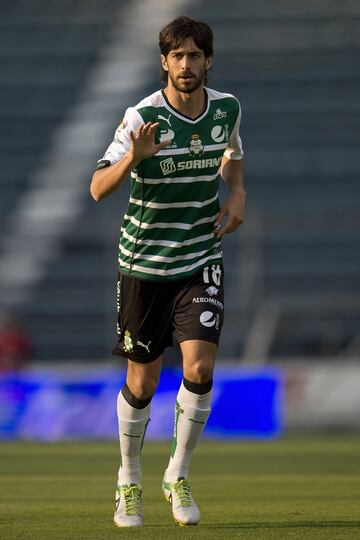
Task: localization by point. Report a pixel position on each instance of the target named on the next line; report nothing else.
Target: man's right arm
(142, 146)
(107, 180)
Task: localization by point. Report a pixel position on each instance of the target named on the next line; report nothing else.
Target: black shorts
(149, 312)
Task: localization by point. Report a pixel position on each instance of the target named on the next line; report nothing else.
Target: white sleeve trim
(121, 142)
(234, 149)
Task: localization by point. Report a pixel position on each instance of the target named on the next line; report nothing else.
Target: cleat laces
(183, 491)
(131, 496)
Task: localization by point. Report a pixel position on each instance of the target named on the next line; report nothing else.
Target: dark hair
(173, 35)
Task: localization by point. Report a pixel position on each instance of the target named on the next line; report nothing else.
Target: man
(174, 144)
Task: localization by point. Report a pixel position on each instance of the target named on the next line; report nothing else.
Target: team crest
(196, 147)
(128, 343)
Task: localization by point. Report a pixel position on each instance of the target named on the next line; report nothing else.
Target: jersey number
(215, 274)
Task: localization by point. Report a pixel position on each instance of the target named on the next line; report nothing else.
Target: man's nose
(185, 62)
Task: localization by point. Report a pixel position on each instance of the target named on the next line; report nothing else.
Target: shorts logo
(141, 344)
(212, 291)
(206, 299)
(167, 166)
(207, 318)
(128, 343)
(118, 289)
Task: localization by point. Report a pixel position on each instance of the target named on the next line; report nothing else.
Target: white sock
(132, 427)
(191, 414)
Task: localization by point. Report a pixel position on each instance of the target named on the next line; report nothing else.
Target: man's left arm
(234, 205)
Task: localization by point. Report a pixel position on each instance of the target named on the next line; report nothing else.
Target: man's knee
(142, 389)
(142, 379)
(198, 360)
(200, 371)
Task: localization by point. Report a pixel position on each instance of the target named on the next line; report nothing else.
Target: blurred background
(68, 72)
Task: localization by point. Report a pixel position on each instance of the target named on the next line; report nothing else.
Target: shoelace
(132, 498)
(183, 491)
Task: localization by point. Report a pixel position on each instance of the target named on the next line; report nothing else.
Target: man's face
(186, 66)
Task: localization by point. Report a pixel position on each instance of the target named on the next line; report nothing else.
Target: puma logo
(167, 120)
(141, 344)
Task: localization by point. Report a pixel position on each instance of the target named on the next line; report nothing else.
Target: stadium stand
(293, 65)
(47, 52)
(46, 49)
(295, 264)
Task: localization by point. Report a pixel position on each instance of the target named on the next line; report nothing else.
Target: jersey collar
(182, 116)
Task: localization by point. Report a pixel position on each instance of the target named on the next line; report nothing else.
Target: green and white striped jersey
(168, 228)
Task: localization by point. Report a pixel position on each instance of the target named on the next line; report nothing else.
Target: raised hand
(143, 142)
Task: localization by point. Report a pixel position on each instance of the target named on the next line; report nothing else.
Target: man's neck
(191, 105)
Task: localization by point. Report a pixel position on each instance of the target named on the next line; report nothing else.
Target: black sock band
(197, 388)
(133, 400)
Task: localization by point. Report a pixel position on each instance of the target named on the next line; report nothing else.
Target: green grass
(292, 488)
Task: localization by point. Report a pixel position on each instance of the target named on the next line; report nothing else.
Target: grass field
(298, 487)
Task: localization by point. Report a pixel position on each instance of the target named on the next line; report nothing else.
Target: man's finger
(161, 145)
(146, 128)
(154, 127)
(220, 216)
(230, 226)
(221, 232)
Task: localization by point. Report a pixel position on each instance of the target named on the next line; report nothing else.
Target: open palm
(143, 142)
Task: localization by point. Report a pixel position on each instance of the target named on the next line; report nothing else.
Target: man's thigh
(144, 319)
(199, 310)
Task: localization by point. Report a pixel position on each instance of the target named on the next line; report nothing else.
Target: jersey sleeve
(234, 148)
(121, 141)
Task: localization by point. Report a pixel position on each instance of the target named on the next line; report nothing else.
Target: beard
(187, 87)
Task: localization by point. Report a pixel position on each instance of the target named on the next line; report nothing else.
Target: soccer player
(175, 144)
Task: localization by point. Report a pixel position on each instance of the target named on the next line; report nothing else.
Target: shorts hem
(118, 352)
(212, 340)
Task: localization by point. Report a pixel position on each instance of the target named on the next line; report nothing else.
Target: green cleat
(128, 507)
(184, 508)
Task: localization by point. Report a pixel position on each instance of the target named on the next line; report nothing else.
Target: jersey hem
(176, 277)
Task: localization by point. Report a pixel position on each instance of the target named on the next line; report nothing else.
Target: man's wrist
(238, 192)
(131, 160)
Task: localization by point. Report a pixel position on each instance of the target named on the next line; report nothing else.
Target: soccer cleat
(184, 508)
(128, 507)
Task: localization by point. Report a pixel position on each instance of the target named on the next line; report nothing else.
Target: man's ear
(208, 63)
(164, 62)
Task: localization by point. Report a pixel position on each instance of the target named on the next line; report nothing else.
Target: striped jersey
(168, 228)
